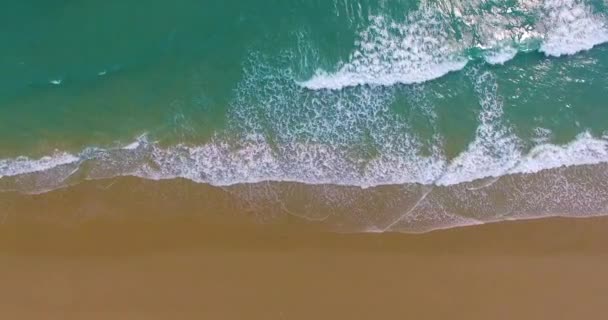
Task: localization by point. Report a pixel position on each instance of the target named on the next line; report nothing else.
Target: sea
(373, 115)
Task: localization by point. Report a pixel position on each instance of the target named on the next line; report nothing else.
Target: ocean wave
(279, 131)
(571, 27)
(440, 38)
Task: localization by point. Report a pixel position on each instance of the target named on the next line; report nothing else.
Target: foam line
(218, 164)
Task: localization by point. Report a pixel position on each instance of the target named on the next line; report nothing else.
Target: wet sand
(64, 256)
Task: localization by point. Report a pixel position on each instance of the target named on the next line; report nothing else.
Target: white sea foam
(542, 135)
(585, 149)
(389, 53)
(24, 165)
(427, 45)
(137, 143)
(500, 56)
(495, 148)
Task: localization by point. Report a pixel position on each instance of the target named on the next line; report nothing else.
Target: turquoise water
(356, 93)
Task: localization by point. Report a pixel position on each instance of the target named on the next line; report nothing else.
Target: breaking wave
(443, 36)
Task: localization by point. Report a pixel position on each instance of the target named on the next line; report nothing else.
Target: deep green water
(344, 92)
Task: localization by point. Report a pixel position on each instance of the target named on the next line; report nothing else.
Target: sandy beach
(360, 159)
(204, 267)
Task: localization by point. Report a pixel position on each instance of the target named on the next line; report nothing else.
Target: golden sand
(81, 253)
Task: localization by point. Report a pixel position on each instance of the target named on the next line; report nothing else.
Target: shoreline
(564, 192)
